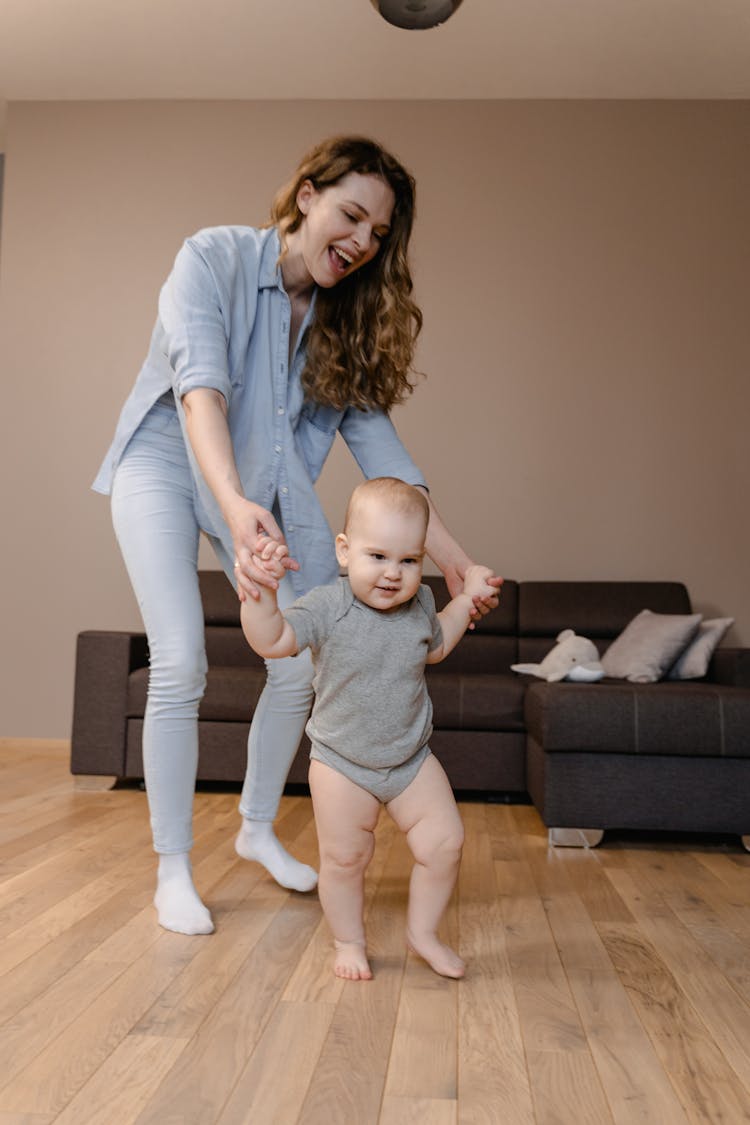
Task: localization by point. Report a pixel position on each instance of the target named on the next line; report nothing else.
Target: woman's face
(343, 226)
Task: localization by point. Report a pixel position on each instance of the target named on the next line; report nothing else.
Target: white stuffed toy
(572, 658)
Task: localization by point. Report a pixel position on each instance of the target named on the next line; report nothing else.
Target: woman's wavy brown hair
(360, 346)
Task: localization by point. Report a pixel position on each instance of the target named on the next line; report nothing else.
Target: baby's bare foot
(441, 958)
(351, 961)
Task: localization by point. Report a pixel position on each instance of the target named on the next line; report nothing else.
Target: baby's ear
(342, 549)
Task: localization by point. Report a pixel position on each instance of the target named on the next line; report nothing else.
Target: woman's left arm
(450, 557)
(379, 451)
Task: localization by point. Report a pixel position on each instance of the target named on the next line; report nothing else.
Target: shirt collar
(269, 274)
(347, 598)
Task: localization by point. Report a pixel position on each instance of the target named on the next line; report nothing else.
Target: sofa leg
(92, 782)
(575, 837)
(746, 842)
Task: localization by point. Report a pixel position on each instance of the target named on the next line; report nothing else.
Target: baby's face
(383, 552)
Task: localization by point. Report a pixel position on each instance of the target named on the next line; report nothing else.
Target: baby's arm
(456, 617)
(263, 624)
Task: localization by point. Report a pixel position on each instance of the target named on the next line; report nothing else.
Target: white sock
(176, 899)
(257, 841)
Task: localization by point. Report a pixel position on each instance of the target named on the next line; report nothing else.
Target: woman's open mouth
(339, 259)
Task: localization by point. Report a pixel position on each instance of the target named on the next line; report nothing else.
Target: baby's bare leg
(345, 819)
(426, 811)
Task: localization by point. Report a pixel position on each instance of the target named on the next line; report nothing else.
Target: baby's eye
(376, 556)
(410, 562)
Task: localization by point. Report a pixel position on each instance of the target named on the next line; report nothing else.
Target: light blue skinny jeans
(158, 534)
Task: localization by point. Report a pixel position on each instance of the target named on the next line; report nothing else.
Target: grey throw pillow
(649, 645)
(694, 661)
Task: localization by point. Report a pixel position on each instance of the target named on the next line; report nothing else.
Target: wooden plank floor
(604, 986)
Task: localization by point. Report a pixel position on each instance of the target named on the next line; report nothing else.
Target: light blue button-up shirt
(224, 322)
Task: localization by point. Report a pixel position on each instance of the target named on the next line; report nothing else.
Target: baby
(371, 635)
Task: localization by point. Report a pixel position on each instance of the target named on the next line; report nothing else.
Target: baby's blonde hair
(395, 494)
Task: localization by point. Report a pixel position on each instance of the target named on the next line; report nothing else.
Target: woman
(268, 342)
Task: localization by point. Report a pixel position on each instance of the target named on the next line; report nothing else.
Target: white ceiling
(102, 49)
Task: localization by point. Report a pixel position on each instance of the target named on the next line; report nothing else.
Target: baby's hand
(271, 556)
(476, 583)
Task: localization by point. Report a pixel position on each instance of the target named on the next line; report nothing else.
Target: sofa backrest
(523, 628)
(492, 645)
(220, 603)
(225, 641)
(597, 610)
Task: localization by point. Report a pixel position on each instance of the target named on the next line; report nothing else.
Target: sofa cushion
(232, 693)
(695, 659)
(480, 701)
(460, 702)
(649, 645)
(679, 719)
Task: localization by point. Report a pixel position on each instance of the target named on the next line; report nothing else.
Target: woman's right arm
(208, 432)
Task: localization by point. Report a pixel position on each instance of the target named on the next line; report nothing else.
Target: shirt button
(280, 410)
(291, 527)
(277, 448)
(284, 490)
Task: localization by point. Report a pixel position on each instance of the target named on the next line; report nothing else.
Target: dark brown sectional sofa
(673, 755)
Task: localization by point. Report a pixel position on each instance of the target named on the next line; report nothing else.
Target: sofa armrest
(730, 666)
(104, 660)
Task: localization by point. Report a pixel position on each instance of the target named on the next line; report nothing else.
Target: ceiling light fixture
(415, 15)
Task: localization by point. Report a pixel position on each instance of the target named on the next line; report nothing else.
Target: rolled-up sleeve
(191, 310)
(377, 448)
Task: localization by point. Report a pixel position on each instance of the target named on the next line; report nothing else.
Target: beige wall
(583, 273)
